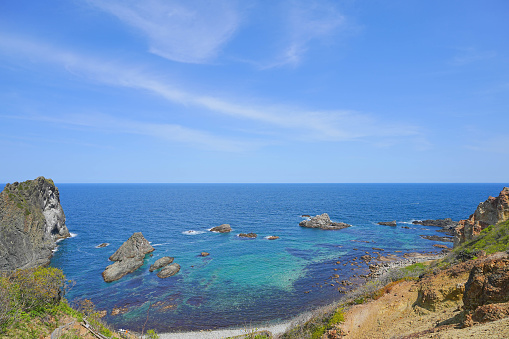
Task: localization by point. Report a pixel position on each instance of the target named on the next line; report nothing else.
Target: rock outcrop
(486, 296)
(388, 223)
(224, 228)
(31, 221)
(444, 223)
(128, 258)
(323, 222)
(489, 212)
(248, 235)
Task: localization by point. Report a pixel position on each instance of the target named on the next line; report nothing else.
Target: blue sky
(254, 91)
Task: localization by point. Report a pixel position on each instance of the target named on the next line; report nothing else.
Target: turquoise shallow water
(243, 281)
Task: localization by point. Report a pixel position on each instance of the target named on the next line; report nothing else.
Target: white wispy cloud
(292, 123)
(470, 55)
(191, 31)
(305, 22)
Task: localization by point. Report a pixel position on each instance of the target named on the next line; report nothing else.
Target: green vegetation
(494, 238)
(32, 304)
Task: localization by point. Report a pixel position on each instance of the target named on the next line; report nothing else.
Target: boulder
(160, 263)
(224, 228)
(168, 271)
(129, 257)
(31, 222)
(248, 235)
(204, 254)
(388, 223)
(489, 212)
(323, 222)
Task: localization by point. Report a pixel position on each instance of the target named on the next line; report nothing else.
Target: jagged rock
(490, 212)
(248, 235)
(135, 246)
(388, 223)
(224, 228)
(31, 221)
(168, 271)
(129, 257)
(160, 263)
(437, 238)
(323, 222)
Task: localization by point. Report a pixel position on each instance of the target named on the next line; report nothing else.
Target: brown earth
(433, 306)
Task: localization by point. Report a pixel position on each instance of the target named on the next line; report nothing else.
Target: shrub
(38, 288)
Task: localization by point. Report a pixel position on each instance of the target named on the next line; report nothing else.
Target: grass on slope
(494, 238)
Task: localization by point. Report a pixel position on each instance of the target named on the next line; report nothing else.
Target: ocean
(243, 282)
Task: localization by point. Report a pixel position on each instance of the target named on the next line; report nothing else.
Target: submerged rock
(437, 238)
(323, 222)
(272, 237)
(204, 254)
(224, 228)
(104, 244)
(31, 221)
(129, 257)
(160, 263)
(168, 271)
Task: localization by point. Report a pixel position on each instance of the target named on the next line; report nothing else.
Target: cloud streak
(291, 123)
(191, 31)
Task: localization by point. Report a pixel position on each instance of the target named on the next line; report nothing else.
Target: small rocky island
(128, 258)
(224, 228)
(31, 221)
(323, 222)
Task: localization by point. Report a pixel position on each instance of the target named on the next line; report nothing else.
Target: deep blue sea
(243, 281)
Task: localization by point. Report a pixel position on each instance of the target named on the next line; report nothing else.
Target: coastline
(383, 270)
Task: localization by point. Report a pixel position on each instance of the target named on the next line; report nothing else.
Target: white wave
(73, 234)
(55, 249)
(193, 232)
(164, 243)
(408, 222)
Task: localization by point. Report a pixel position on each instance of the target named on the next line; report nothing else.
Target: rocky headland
(489, 212)
(323, 222)
(31, 222)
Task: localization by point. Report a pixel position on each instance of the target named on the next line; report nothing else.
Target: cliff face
(489, 212)
(31, 220)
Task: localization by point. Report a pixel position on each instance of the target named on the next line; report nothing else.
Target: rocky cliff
(489, 212)
(31, 221)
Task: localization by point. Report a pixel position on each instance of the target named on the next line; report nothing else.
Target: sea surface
(243, 282)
